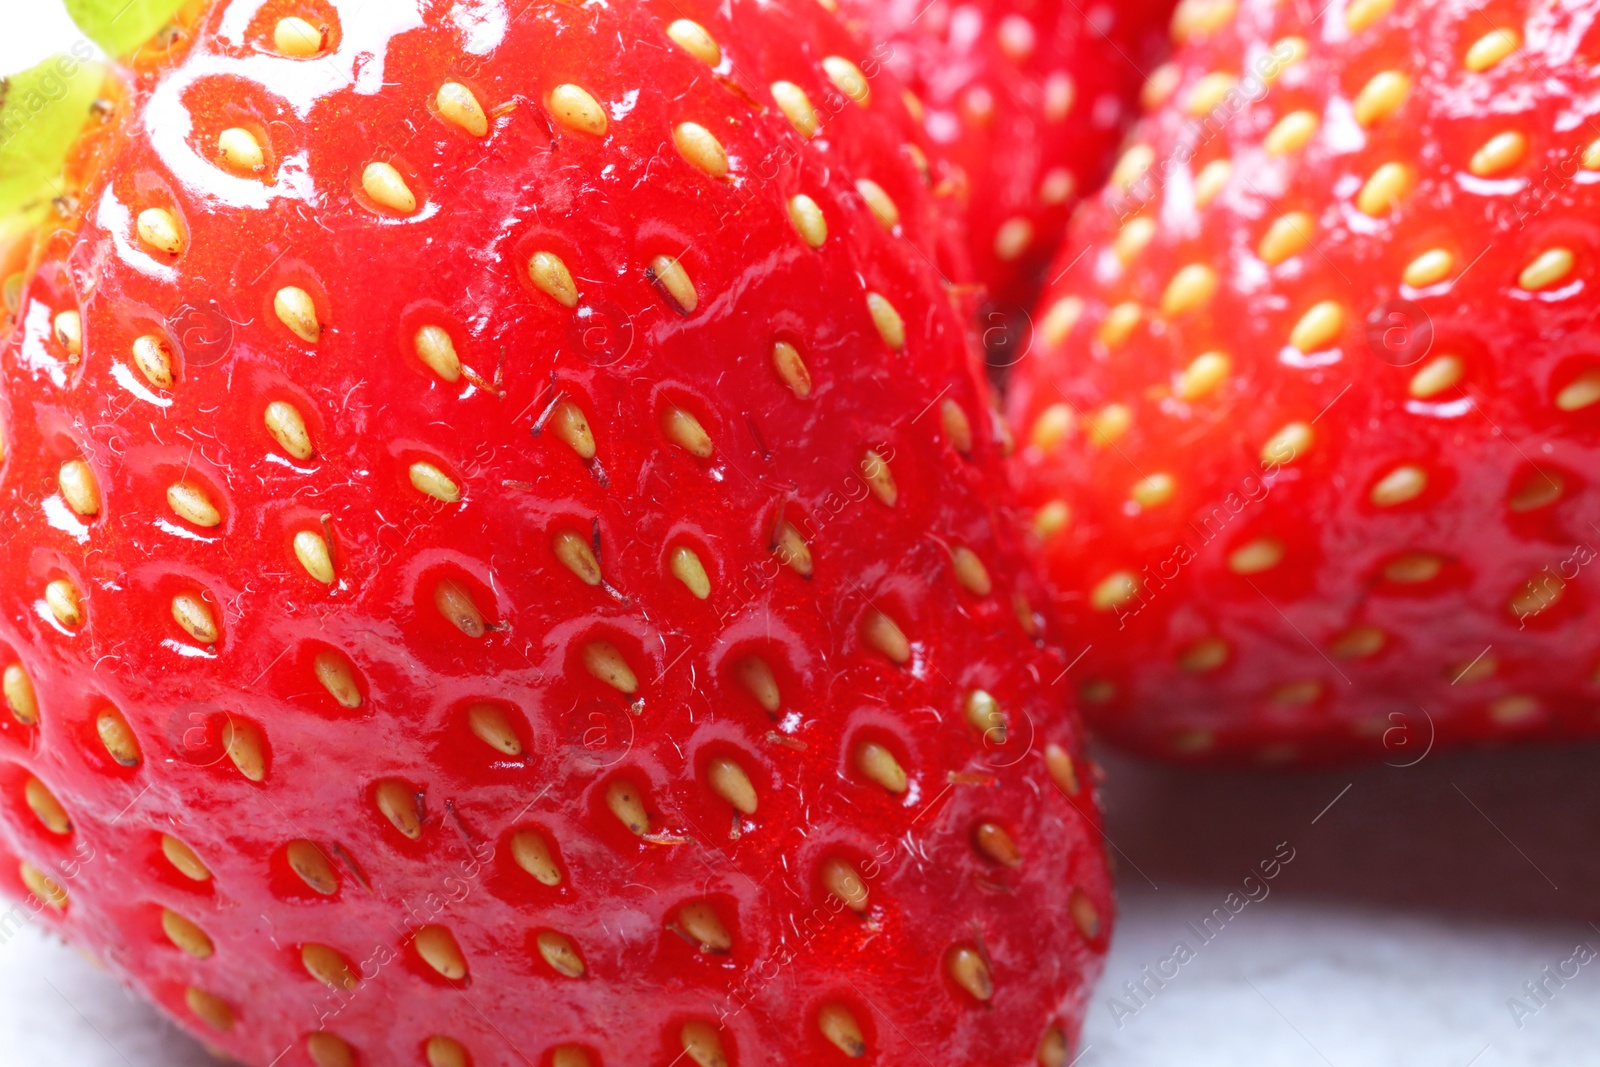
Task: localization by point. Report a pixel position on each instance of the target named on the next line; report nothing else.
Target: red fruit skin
(1025, 101)
(608, 205)
(1486, 651)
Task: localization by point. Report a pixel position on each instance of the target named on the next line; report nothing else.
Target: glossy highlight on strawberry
(506, 558)
(1310, 426)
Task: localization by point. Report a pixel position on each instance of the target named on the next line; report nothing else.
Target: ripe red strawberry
(503, 566)
(1027, 100)
(1315, 415)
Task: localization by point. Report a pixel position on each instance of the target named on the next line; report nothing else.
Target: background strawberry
(502, 566)
(1026, 100)
(1313, 416)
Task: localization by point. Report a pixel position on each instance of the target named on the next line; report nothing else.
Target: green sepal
(42, 113)
(121, 26)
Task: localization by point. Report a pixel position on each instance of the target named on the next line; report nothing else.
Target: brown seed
(245, 750)
(570, 1056)
(438, 948)
(970, 571)
(490, 724)
(296, 38)
(839, 1026)
(183, 858)
(19, 695)
(41, 885)
(1058, 761)
(700, 147)
(729, 781)
(79, 488)
(311, 549)
(602, 660)
(192, 613)
(387, 187)
(458, 105)
(700, 922)
(311, 864)
(878, 763)
(288, 428)
(992, 840)
(569, 423)
(970, 972)
(847, 78)
(69, 332)
(241, 150)
(154, 359)
(693, 38)
(62, 598)
(429, 479)
(879, 478)
(326, 1050)
(1206, 654)
(1084, 914)
(573, 549)
(791, 368)
(793, 550)
(552, 278)
(398, 802)
(158, 228)
(118, 737)
(559, 952)
(984, 715)
(702, 1044)
(328, 967)
(338, 677)
(1541, 489)
(840, 878)
(459, 609)
(437, 350)
(796, 107)
(532, 853)
(755, 674)
(891, 327)
(687, 568)
(808, 220)
(446, 1052)
(684, 430)
(1053, 1047)
(1359, 642)
(45, 805)
(575, 109)
(191, 503)
(296, 310)
(628, 806)
(211, 1010)
(957, 427)
(880, 632)
(670, 275)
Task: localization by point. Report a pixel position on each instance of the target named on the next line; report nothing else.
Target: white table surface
(1415, 906)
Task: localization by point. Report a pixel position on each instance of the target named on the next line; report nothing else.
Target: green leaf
(120, 26)
(42, 112)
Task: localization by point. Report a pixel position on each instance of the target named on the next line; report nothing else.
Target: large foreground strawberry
(502, 562)
(1313, 424)
(1024, 101)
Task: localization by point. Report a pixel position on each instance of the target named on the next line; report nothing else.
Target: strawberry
(506, 560)
(1313, 411)
(1025, 101)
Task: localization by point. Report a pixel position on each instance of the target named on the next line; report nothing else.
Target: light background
(1415, 906)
